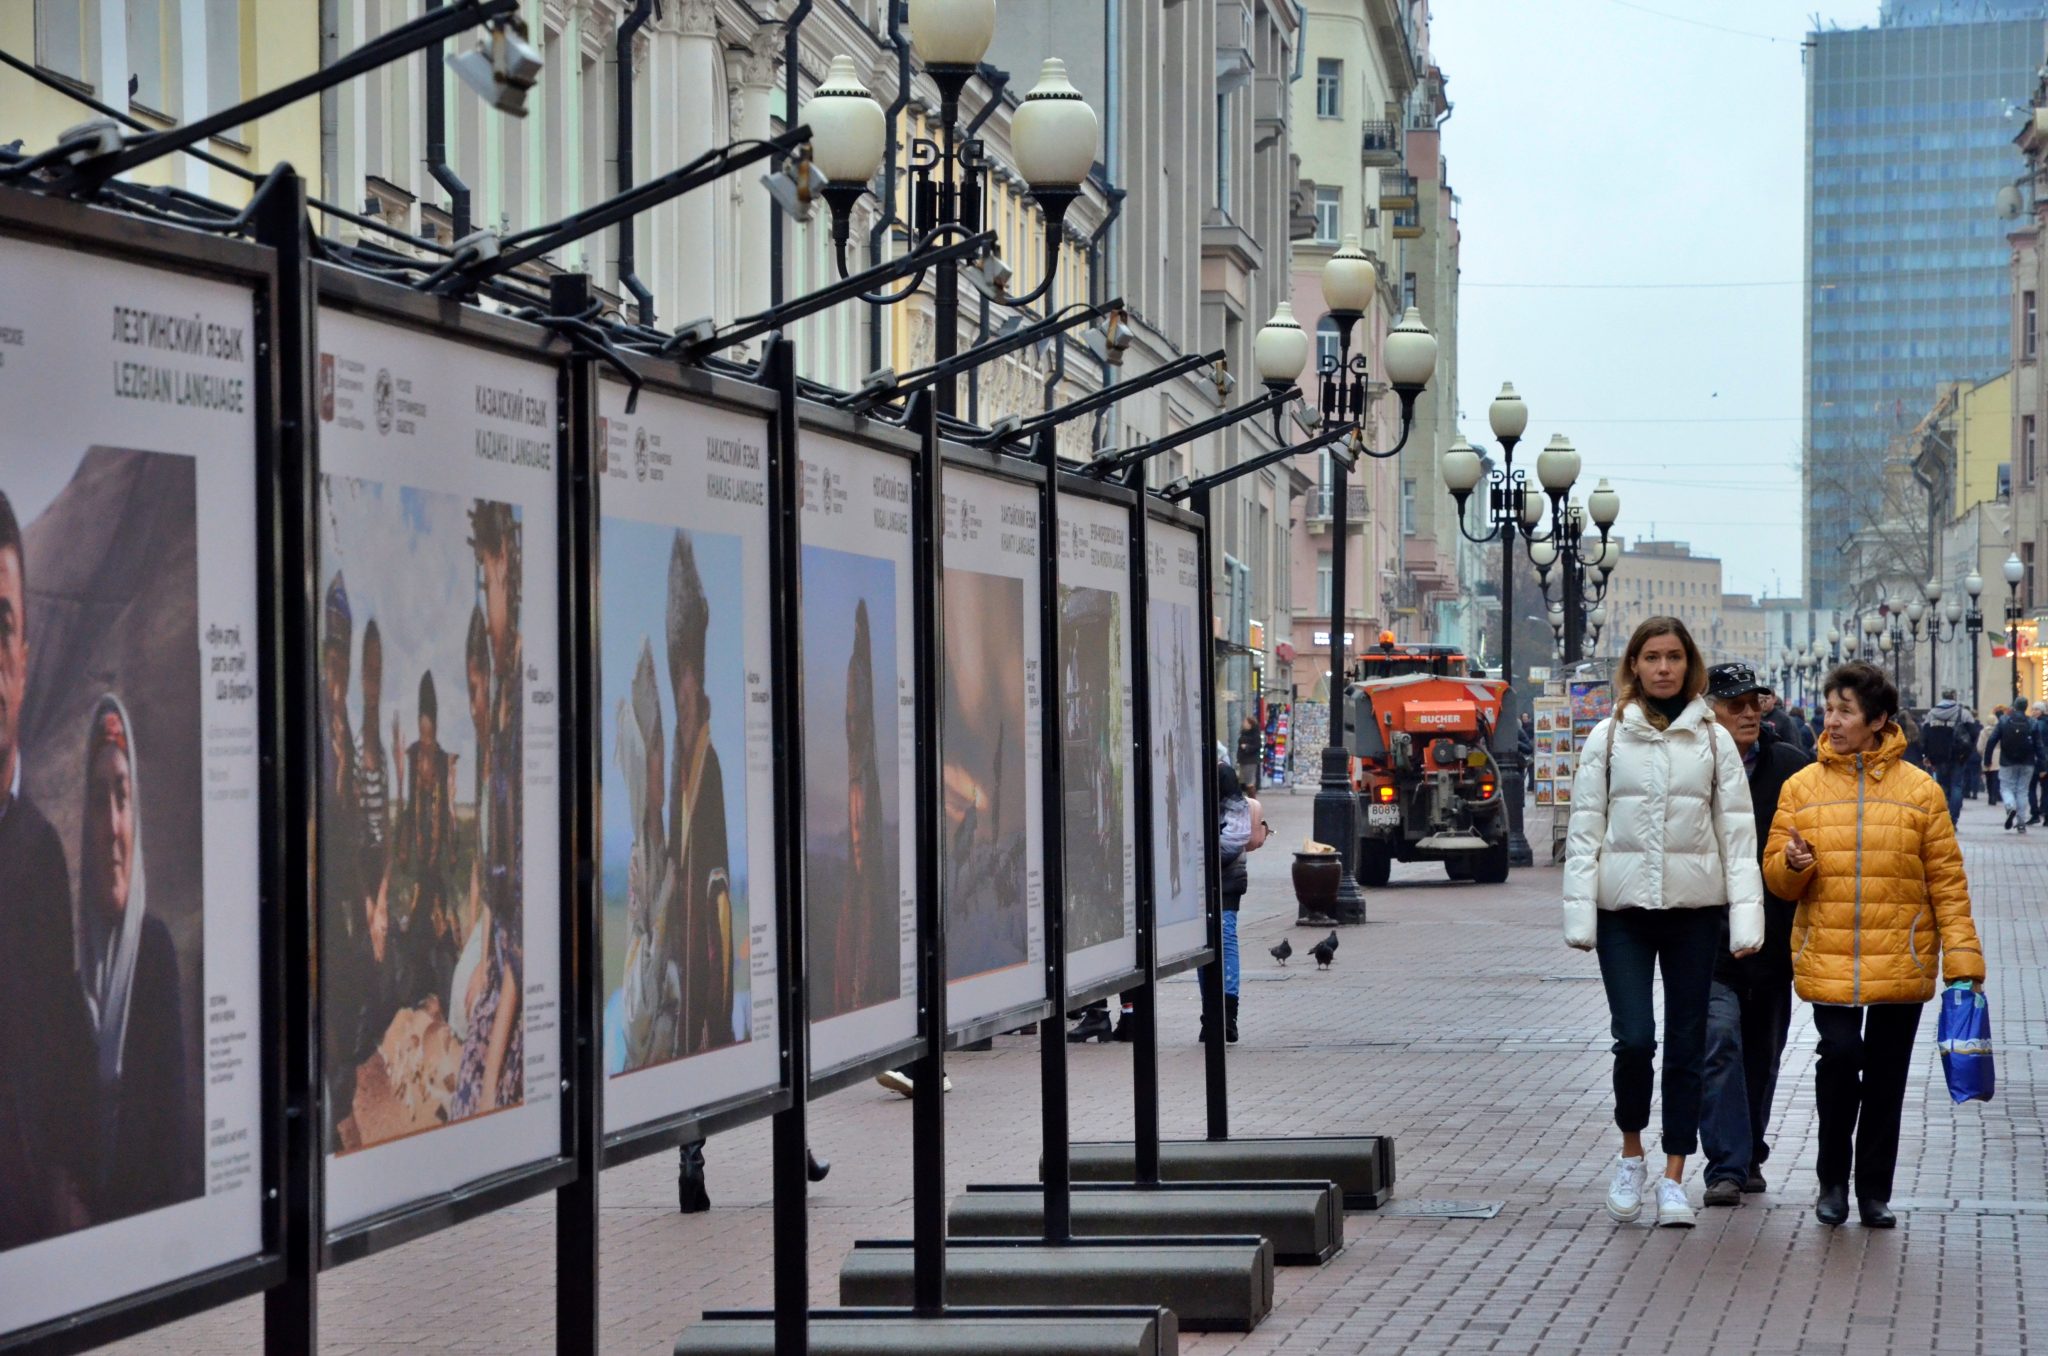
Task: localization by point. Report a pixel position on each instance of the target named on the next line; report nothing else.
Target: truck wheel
(1458, 868)
(1491, 866)
(1375, 864)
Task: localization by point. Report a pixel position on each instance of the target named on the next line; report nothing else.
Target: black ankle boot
(1126, 1026)
(1833, 1206)
(1875, 1214)
(1093, 1026)
(1230, 1018)
(691, 1196)
(816, 1169)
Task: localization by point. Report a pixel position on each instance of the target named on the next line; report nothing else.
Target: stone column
(698, 120)
(750, 72)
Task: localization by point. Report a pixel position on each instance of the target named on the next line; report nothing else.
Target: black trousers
(1633, 945)
(1860, 1090)
(1748, 1016)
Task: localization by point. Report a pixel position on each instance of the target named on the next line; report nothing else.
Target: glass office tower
(1908, 140)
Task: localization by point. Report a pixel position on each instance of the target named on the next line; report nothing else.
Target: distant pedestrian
(1251, 747)
(2014, 739)
(1973, 768)
(1660, 866)
(1943, 738)
(1863, 845)
(1991, 788)
(1240, 830)
(1750, 1006)
(1803, 728)
(1525, 746)
(1778, 718)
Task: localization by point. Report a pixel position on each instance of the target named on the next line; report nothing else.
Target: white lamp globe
(1973, 584)
(1532, 507)
(2014, 569)
(1933, 590)
(1280, 350)
(1598, 616)
(952, 32)
(1507, 415)
(1834, 637)
(1604, 504)
(1953, 611)
(1350, 282)
(1054, 133)
(1872, 623)
(1915, 610)
(1462, 468)
(1558, 465)
(1410, 352)
(848, 130)
(1543, 554)
(1884, 641)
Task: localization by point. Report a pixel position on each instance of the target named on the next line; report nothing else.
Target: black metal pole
(1335, 810)
(928, 1086)
(790, 1128)
(1145, 1008)
(946, 285)
(1510, 516)
(792, 75)
(1052, 1038)
(576, 1201)
(1574, 600)
(291, 1308)
(1215, 1073)
(622, 157)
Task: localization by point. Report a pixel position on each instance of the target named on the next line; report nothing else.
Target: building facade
(1906, 261)
(1665, 579)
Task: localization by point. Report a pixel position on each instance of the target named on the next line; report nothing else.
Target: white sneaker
(1674, 1211)
(1625, 1192)
(896, 1081)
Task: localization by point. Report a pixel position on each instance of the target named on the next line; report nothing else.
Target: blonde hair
(1627, 690)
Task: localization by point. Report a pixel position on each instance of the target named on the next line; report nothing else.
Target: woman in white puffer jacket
(1660, 871)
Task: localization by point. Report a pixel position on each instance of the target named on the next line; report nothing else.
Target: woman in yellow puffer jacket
(1862, 843)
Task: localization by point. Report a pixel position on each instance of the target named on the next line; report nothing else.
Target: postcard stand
(1361, 1166)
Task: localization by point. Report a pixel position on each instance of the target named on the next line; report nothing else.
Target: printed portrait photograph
(1177, 754)
(421, 759)
(853, 820)
(984, 864)
(674, 810)
(1091, 678)
(102, 895)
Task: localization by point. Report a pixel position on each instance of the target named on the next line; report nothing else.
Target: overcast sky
(1631, 185)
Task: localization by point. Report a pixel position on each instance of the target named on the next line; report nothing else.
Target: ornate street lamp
(1053, 136)
(1973, 584)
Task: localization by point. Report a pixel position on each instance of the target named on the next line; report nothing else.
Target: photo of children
(985, 866)
(852, 867)
(102, 1095)
(422, 883)
(1091, 675)
(673, 825)
(1177, 753)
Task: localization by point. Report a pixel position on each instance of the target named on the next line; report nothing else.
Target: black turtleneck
(1668, 707)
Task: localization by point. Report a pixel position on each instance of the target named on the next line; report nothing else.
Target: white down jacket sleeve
(1588, 829)
(1735, 828)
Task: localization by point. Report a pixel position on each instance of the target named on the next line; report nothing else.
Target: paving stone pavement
(1456, 1021)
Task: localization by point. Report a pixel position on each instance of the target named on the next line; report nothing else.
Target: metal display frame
(1161, 511)
(1027, 474)
(735, 396)
(283, 885)
(389, 303)
(896, 441)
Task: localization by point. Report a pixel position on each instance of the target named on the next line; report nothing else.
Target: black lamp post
(1584, 565)
(1973, 584)
(2015, 570)
(1350, 285)
(1943, 622)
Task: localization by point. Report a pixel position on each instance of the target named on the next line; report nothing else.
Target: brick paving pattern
(1456, 1021)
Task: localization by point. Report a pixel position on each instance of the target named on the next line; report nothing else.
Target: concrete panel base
(1363, 1165)
(982, 1332)
(1303, 1220)
(1210, 1284)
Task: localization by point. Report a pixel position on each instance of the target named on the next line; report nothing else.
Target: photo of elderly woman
(852, 756)
(101, 1095)
(421, 888)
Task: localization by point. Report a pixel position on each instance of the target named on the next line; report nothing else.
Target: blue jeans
(1952, 778)
(1746, 1026)
(1230, 970)
(1633, 945)
(2013, 780)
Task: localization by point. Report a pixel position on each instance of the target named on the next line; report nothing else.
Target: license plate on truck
(1383, 816)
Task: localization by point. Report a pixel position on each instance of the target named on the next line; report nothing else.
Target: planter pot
(1316, 875)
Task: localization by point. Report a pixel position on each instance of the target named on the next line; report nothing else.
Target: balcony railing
(1407, 224)
(1381, 144)
(1397, 189)
(1322, 499)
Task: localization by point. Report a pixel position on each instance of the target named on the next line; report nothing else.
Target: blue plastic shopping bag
(1964, 1038)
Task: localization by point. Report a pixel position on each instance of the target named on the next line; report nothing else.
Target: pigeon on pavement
(1281, 952)
(1323, 951)
(1331, 940)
